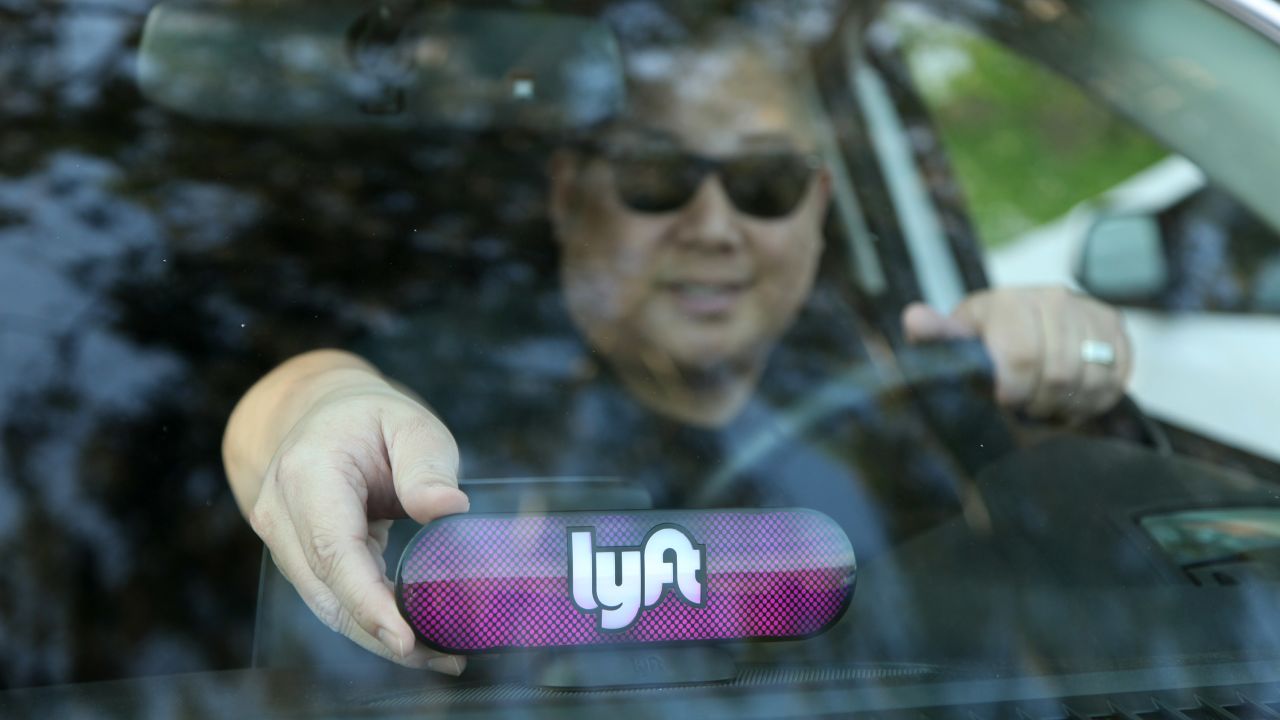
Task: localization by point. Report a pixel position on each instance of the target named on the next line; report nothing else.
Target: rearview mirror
(1123, 259)
(386, 63)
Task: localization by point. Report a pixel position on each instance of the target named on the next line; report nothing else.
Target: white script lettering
(619, 582)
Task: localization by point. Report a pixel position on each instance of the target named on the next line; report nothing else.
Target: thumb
(922, 323)
(424, 469)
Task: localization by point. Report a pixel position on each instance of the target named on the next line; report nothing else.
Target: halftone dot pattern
(478, 583)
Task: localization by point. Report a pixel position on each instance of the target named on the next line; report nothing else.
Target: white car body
(1179, 375)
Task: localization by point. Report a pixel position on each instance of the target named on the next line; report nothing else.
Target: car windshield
(766, 358)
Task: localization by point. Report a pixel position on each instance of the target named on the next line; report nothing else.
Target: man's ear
(563, 170)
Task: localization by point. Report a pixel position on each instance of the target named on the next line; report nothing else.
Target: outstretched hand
(355, 460)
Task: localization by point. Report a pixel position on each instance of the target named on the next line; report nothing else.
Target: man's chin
(706, 355)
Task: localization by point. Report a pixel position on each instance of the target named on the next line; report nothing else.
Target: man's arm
(321, 454)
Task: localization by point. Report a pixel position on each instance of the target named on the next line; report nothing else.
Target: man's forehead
(646, 133)
(745, 105)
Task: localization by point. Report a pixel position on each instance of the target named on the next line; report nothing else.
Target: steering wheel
(952, 385)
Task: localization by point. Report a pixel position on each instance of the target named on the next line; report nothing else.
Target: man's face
(718, 277)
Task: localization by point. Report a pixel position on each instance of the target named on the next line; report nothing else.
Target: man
(689, 240)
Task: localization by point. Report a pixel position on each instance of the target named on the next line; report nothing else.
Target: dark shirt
(525, 397)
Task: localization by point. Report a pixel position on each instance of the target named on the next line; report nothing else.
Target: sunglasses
(766, 184)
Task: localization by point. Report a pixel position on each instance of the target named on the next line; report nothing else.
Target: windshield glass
(742, 358)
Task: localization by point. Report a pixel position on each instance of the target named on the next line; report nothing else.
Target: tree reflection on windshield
(151, 268)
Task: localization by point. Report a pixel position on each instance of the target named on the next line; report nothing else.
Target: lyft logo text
(618, 582)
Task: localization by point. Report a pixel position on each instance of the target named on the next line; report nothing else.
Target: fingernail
(442, 500)
(394, 642)
(447, 664)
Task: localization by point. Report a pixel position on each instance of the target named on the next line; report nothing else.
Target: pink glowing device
(484, 583)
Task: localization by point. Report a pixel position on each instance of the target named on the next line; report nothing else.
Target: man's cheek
(590, 291)
(630, 261)
(610, 294)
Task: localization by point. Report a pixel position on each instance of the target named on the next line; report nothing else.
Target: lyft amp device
(471, 584)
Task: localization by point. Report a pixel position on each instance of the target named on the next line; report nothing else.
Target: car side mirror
(1123, 259)
(1266, 287)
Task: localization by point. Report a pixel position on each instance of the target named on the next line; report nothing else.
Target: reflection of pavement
(64, 229)
(67, 240)
(1213, 373)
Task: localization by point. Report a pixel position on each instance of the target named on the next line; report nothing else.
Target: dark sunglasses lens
(767, 186)
(655, 182)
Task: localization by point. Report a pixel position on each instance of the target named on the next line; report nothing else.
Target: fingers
(424, 468)
(1103, 385)
(379, 532)
(370, 620)
(324, 502)
(1014, 338)
(974, 312)
(1061, 373)
(276, 528)
(1097, 390)
(314, 512)
(1010, 330)
(332, 530)
(921, 323)
(1035, 336)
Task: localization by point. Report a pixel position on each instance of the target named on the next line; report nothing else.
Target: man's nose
(708, 220)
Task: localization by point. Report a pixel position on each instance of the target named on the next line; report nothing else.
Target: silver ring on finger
(1098, 352)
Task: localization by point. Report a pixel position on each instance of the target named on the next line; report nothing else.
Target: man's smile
(706, 298)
